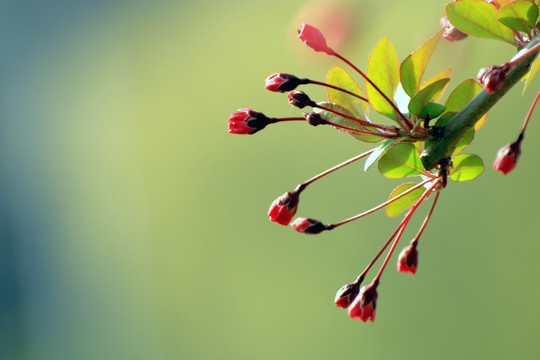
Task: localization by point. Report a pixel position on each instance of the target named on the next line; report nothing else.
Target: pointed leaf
(535, 66)
(445, 74)
(466, 167)
(376, 154)
(519, 15)
(400, 205)
(401, 160)
(414, 66)
(461, 96)
(425, 96)
(383, 70)
(433, 110)
(464, 142)
(478, 18)
(337, 76)
(343, 121)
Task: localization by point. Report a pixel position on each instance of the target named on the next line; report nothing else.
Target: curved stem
(339, 89)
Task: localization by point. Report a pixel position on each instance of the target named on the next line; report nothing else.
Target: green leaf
(519, 15)
(464, 142)
(478, 18)
(446, 73)
(400, 205)
(401, 160)
(377, 152)
(461, 96)
(383, 70)
(425, 96)
(414, 66)
(433, 110)
(535, 66)
(343, 121)
(466, 167)
(337, 76)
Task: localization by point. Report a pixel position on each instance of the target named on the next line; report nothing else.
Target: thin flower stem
(378, 207)
(405, 123)
(524, 55)
(528, 117)
(288, 119)
(384, 135)
(401, 228)
(426, 220)
(303, 185)
(339, 89)
(359, 121)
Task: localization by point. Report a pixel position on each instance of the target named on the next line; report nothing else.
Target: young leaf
(414, 66)
(466, 167)
(478, 18)
(445, 74)
(461, 96)
(433, 110)
(374, 156)
(519, 15)
(339, 77)
(401, 160)
(464, 142)
(535, 66)
(383, 70)
(400, 205)
(425, 96)
(343, 121)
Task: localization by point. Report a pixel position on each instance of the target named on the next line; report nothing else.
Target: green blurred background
(133, 226)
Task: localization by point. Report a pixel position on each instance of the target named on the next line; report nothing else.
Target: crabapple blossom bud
(346, 295)
(313, 38)
(314, 119)
(408, 259)
(451, 33)
(507, 157)
(492, 77)
(308, 226)
(284, 207)
(247, 121)
(363, 307)
(281, 82)
(300, 99)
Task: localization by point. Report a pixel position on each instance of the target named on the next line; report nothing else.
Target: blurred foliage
(133, 226)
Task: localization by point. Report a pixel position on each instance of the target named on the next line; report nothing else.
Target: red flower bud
(507, 157)
(280, 82)
(313, 38)
(308, 226)
(314, 119)
(300, 99)
(247, 121)
(451, 33)
(346, 295)
(363, 307)
(284, 207)
(492, 77)
(408, 259)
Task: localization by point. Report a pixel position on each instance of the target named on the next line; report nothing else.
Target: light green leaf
(374, 156)
(337, 76)
(445, 74)
(401, 160)
(414, 66)
(535, 66)
(383, 70)
(343, 121)
(478, 18)
(400, 205)
(461, 96)
(464, 142)
(466, 167)
(425, 96)
(519, 15)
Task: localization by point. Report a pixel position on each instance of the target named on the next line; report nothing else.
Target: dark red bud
(507, 157)
(280, 82)
(308, 226)
(363, 307)
(247, 121)
(346, 295)
(314, 119)
(408, 259)
(284, 207)
(492, 77)
(300, 99)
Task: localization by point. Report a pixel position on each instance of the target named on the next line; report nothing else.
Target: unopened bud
(308, 226)
(300, 99)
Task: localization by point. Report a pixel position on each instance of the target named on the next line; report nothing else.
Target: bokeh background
(132, 226)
